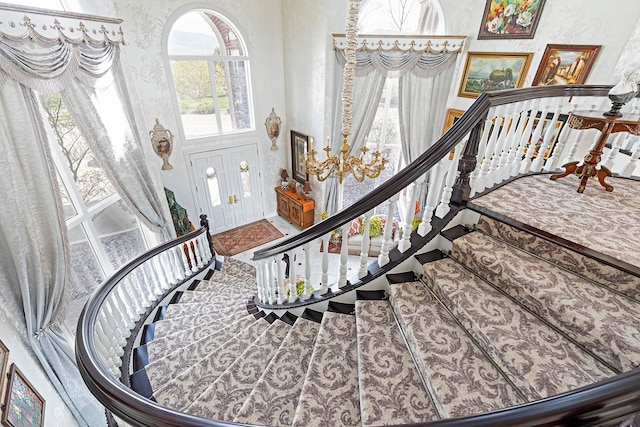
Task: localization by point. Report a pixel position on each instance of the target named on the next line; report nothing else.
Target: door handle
(235, 199)
(230, 200)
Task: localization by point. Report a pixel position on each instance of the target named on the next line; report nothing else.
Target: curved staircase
(502, 318)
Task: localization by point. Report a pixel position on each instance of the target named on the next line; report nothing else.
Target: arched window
(210, 74)
(401, 17)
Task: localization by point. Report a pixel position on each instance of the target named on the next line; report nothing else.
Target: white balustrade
(366, 241)
(383, 257)
(344, 256)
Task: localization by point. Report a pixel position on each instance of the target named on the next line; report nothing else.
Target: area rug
(245, 237)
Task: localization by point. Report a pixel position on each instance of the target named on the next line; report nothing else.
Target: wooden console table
(606, 125)
(298, 211)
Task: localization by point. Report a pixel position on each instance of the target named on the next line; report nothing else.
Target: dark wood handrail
(607, 402)
(476, 113)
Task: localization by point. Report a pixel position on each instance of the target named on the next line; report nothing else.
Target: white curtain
(367, 92)
(425, 79)
(33, 259)
(34, 253)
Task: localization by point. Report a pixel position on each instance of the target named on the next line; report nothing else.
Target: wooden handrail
(475, 114)
(608, 402)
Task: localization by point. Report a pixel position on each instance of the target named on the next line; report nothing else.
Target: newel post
(466, 165)
(204, 222)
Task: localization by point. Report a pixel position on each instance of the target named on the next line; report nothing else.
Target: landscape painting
(487, 71)
(564, 64)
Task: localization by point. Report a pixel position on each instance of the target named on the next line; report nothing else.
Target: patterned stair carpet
(505, 319)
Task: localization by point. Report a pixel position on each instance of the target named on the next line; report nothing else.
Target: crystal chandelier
(364, 165)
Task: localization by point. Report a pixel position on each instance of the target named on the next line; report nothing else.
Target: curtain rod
(58, 13)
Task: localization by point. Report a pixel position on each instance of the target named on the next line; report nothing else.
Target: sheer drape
(425, 78)
(367, 92)
(34, 257)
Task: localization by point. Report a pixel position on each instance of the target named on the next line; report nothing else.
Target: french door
(227, 186)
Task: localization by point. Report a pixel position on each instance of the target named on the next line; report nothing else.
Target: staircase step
(330, 395)
(140, 357)
(199, 296)
(180, 332)
(430, 256)
(561, 256)
(594, 316)
(391, 390)
(188, 382)
(240, 269)
(540, 361)
(454, 232)
(182, 358)
(192, 309)
(406, 276)
(341, 307)
(273, 400)
(313, 315)
(459, 377)
(224, 398)
(371, 295)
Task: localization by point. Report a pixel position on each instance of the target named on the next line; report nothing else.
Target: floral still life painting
(510, 19)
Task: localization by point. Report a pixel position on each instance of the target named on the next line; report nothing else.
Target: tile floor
(288, 229)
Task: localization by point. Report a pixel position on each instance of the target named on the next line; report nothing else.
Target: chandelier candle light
(360, 166)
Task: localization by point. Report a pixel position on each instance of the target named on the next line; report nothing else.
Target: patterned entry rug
(245, 237)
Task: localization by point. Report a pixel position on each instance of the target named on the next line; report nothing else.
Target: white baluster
(324, 279)
(307, 271)
(435, 178)
(443, 208)
(271, 279)
(366, 241)
(282, 293)
(515, 154)
(383, 258)
(490, 151)
(525, 165)
(414, 191)
(552, 163)
(551, 130)
(344, 256)
(185, 261)
(614, 151)
(500, 157)
(635, 154)
(260, 281)
(293, 295)
(482, 148)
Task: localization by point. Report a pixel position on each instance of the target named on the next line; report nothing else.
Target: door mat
(245, 237)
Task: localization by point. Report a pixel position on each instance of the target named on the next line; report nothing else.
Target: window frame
(210, 59)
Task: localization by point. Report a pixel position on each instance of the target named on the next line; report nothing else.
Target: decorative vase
(162, 143)
(272, 124)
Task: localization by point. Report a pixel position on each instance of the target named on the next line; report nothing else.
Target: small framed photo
(299, 150)
(487, 71)
(510, 19)
(24, 406)
(452, 116)
(565, 64)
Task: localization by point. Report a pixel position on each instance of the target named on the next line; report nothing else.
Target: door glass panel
(195, 97)
(246, 178)
(214, 186)
(119, 233)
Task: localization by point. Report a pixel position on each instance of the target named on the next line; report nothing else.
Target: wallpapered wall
(299, 83)
(14, 335)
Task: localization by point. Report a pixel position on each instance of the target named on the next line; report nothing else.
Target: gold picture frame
(452, 116)
(4, 362)
(565, 64)
(488, 71)
(24, 405)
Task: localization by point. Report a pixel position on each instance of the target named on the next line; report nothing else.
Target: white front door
(227, 186)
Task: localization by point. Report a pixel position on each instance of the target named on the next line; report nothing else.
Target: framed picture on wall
(510, 19)
(487, 71)
(24, 406)
(452, 116)
(565, 64)
(299, 149)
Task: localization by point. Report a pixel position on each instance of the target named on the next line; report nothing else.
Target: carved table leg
(569, 169)
(602, 174)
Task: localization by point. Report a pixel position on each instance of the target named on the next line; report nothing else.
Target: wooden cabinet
(298, 211)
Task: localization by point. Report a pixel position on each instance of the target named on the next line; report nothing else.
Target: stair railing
(503, 134)
(117, 309)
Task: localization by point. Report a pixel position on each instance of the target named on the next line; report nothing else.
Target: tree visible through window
(209, 69)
